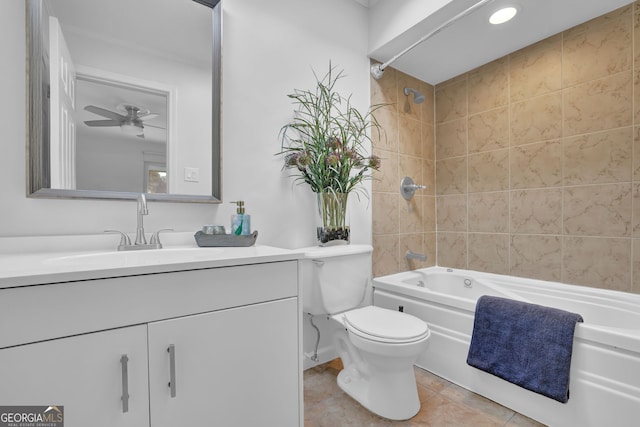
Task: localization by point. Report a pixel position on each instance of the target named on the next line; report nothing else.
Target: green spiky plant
(324, 144)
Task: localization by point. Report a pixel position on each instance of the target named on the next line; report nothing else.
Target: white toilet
(378, 347)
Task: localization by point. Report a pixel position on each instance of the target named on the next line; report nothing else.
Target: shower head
(417, 96)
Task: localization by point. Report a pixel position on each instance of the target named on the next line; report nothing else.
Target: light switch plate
(192, 174)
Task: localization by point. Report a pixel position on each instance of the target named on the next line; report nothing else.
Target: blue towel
(526, 344)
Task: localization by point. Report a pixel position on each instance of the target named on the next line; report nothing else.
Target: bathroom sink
(35, 260)
(135, 258)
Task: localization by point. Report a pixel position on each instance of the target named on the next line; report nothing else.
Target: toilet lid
(386, 324)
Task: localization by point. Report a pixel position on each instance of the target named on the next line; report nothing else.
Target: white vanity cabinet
(230, 368)
(203, 346)
(83, 374)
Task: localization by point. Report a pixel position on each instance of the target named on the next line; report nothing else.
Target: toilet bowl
(378, 347)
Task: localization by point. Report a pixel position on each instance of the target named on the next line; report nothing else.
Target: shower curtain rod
(377, 70)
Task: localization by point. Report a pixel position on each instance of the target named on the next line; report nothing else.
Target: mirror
(124, 97)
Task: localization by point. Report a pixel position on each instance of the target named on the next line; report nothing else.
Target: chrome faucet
(141, 239)
(414, 255)
(142, 210)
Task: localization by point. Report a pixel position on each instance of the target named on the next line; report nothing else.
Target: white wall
(389, 19)
(269, 49)
(112, 163)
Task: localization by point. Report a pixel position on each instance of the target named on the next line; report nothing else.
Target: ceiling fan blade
(152, 126)
(104, 113)
(148, 116)
(101, 123)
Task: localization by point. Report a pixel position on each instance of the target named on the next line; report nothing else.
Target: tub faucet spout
(142, 210)
(414, 255)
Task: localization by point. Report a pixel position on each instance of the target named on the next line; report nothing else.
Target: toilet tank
(335, 278)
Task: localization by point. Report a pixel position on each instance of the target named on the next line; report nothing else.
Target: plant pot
(333, 220)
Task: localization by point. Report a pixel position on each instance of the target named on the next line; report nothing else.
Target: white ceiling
(472, 41)
(166, 27)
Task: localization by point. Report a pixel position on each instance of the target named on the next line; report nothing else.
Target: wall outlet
(192, 174)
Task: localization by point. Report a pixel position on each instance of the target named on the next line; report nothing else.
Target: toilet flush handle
(318, 262)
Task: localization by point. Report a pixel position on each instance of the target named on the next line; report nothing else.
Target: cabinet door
(235, 367)
(84, 374)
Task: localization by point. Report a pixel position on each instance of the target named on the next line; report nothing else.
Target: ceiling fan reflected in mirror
(131, 119)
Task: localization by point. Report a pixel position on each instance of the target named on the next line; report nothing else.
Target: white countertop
(52, 259)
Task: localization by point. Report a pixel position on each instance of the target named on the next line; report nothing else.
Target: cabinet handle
(124, 361)
(172, 369)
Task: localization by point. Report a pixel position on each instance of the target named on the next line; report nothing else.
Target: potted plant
(324, 146)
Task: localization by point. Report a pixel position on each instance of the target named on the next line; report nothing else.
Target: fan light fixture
(503, 15)
(130, 129)
(130, 124)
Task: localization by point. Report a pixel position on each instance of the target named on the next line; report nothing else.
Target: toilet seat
(383, 325)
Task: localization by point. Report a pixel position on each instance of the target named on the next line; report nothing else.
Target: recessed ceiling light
(503, 15)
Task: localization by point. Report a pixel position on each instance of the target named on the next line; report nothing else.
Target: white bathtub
(605, 366)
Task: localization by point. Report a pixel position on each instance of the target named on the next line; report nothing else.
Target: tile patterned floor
(444, 404)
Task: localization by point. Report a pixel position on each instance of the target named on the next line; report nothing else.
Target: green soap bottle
(240, 222)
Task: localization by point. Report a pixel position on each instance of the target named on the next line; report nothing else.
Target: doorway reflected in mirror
(120, 129)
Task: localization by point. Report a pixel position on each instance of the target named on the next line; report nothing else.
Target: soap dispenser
(240, 222)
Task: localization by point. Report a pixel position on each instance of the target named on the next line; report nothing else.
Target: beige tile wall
(536, 174)
(407, 149)
(536, 163)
